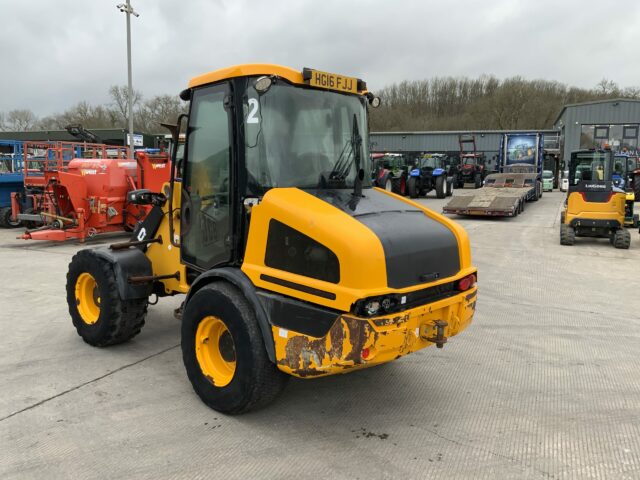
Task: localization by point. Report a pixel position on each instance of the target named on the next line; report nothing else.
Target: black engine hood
(417, 248)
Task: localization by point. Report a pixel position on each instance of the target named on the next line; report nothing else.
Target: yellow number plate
(331, 81)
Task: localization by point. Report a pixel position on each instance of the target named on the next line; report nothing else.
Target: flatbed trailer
(503, 195)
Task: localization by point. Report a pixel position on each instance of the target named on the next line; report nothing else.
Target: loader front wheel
(224, 353)
(100, 316)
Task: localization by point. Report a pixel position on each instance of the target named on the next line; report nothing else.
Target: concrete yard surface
(545, 383)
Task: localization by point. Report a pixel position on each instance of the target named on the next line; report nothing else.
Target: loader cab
(249, 134)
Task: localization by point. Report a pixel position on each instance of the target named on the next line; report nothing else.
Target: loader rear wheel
(100, 316)
(622, 239)
(224, 353)
(567, 235)
(440, 187)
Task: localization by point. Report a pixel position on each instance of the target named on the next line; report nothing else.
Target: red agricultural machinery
(78, 190)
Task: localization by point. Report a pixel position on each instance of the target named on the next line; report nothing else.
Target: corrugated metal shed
(602, 112)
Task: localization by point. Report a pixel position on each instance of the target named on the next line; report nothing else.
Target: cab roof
(246, 70)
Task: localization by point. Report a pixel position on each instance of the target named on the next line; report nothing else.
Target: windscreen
(296, 137)
(589, 167)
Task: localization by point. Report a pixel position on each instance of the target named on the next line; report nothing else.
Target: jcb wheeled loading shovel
(292, 264)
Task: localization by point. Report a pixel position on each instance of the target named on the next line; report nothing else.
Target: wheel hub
(88, 298)
(215, 351)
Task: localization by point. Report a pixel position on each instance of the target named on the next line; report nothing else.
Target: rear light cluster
(392, 303)
(466, 283)
(371, 307)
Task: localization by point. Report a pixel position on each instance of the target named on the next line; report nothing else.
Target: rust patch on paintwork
(397, 320)
(471, 295)
(304, 356)
(358, 333)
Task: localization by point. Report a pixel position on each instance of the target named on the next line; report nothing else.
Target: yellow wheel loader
(291, 263)
(595, 206)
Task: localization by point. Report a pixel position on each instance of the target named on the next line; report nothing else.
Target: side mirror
(146, 197)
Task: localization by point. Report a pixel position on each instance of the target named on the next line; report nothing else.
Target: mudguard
(415, 172)
(131, 262)
(437, 172)
(236, 277)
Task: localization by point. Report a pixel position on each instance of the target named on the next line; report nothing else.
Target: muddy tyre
(98, 313)
(567, 235)
(622, 239)
(636, 187)
(224, 353)
(440, 187)
(477, 181)
(412, 187)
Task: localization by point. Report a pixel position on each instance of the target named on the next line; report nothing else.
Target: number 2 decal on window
(253, 111)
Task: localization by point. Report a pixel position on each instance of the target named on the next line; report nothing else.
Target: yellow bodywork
(362, 260)
(164, 257)
(362, 275)
(578, 208)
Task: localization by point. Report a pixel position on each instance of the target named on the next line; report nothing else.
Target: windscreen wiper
(351, 152)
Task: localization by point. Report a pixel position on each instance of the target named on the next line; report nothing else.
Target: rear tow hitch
(439, 338)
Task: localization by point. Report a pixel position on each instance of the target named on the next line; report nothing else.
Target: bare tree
(161, 108)
(20, 120)
(120, 102)
(607, 87)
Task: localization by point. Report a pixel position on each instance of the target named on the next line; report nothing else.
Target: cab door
(206, 210)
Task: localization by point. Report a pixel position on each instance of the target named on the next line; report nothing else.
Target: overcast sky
(56, 53)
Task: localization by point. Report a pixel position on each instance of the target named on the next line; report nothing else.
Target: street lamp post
(128, 10)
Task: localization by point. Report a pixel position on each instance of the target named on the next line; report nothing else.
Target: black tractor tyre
(477, 181)
(387, 183)
(255, 381)
(118, 320)
(5, 219)
(450, 183)
(536, 194)
(636, 187)
(441, 186)
(412, 187)
(562, 216)
(567, 235)
(402, 186)
(622, 239)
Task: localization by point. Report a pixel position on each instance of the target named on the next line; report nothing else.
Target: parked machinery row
(417, 177)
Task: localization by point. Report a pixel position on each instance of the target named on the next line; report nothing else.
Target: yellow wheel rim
(215, 351)
(88, 298)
